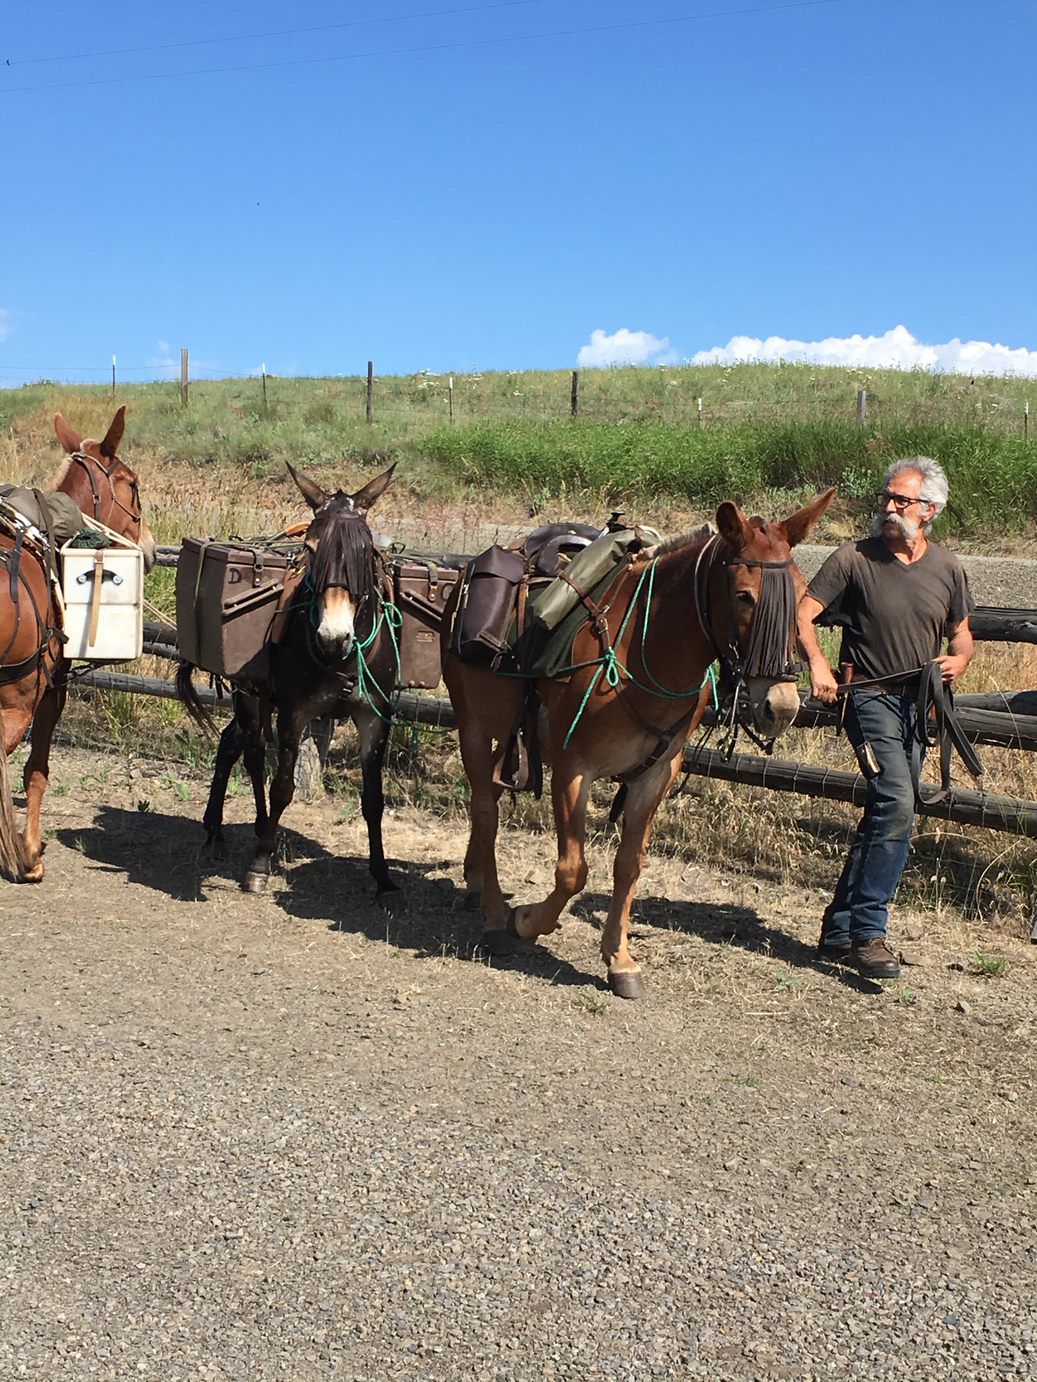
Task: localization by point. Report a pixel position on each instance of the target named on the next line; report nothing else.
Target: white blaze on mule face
(336, 629)
(775, 704)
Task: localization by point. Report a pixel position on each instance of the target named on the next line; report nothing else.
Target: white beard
(908, 527)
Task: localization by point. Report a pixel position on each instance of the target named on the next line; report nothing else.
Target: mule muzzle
(774, 705)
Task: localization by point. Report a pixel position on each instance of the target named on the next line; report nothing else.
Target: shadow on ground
(167, 854)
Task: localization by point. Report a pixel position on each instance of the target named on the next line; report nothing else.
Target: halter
(353, 670)
(88, 463)
(771, 646)
(770, 653)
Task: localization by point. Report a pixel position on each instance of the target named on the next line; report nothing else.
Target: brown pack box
(226, 596)
(420, 592)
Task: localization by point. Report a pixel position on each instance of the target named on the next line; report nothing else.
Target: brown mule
(731, 596)
(33, 668)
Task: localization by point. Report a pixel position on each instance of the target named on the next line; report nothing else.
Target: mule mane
(63, 468)
(696, 537)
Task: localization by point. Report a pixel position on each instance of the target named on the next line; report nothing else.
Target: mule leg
(282, 789)
(569, 793)
(250, 718)
(480, 861)
(642, 802)
(373, 734)
(36, 776)
(13, 724)
(227, 754)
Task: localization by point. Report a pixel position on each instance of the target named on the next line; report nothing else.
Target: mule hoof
(255, 882)
(502, 942)
(626, 984)
(390, 898)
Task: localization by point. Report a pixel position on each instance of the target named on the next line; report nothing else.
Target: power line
(434, 47)
(275, 33)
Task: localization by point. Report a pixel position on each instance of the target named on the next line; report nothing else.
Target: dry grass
(979, 875)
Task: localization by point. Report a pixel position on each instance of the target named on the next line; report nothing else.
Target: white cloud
(896, 349)
(5, 327)
(164, 361)
(623, 347)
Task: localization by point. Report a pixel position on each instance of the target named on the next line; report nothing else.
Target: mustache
(908, 527)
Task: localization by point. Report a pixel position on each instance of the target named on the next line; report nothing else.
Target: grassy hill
(765, 434)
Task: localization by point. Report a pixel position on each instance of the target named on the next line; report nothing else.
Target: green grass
(765, 431)
(993, 966)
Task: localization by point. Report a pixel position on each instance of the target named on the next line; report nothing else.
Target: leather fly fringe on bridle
(345, 558)
(771, 649)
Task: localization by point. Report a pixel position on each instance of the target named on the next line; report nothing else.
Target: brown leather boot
(835, 954)
(875, 960)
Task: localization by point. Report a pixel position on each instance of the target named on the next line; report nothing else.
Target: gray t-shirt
(894, 614)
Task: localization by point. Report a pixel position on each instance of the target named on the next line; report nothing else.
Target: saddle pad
(550, 650)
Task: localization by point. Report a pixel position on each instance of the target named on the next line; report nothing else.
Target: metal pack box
(420, 592)
(226, 597)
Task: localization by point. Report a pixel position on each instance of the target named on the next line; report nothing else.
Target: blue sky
(515, 186)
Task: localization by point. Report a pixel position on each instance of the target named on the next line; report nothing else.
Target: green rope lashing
(614, 670)
(391, 619)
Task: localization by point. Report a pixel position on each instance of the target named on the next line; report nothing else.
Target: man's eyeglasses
(900, 501)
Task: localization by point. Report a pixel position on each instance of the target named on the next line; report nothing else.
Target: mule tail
(188, 695)
(12, 856)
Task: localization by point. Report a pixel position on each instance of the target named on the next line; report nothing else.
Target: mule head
(763, 589)
(103, 486)
(341, 562)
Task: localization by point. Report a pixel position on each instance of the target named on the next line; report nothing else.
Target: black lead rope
(935, 699)
(936, 696)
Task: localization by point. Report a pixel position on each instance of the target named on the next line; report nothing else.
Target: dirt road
(298, 1137)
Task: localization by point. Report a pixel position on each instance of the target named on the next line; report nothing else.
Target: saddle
(520, 609)
(495, 589)
(29, 526)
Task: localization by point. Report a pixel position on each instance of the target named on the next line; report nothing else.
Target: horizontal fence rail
(993, 811)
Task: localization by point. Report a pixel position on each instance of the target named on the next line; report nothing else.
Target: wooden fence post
(183, 376)
(370, 390)
(113, 376)
(574, 397)
(450, 397)
(862, 406)
(1026, 422)
(263, 368)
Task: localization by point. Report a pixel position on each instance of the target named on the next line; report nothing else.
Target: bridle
(770, 652)
(135, 514)
(345, 563)
(771, 646)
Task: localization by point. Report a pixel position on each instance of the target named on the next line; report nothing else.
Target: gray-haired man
(897, 596)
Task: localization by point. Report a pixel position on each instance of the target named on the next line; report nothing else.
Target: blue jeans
(859, 910)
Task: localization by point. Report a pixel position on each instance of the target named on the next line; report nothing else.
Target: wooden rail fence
(1005, 719)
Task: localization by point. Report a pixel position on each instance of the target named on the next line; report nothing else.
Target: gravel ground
(298, 1137)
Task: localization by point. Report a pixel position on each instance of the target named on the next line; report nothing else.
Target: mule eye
(747, 598)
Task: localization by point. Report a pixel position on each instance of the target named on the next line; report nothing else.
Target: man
(897, 596)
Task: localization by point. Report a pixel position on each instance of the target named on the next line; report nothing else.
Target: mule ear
(797, 527)
(112, 438)
(366, 498)
(311, 491)
(733, 525)
(70, 440)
